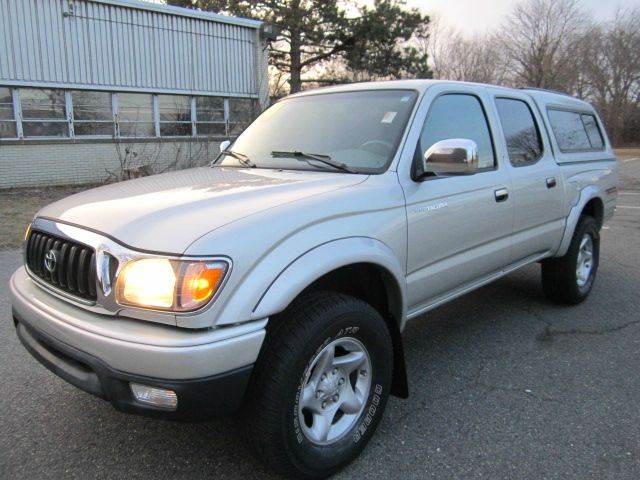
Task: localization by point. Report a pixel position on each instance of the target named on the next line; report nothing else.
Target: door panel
(538, 221)
(536, 180)
(457, 233)
(458, 230)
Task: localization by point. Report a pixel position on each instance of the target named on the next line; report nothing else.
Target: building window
(135, 115)
(242, 111)
(56, 113)
(92, 113)
(210, 116)
(175, 115)
(8, 128)
(43, 113)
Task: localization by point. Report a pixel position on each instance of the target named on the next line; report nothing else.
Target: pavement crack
(548, 334)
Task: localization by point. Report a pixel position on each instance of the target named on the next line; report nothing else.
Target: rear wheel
(320, 386)
(569, 279)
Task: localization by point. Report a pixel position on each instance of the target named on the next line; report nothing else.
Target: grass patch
(623, 153)
(19, 205)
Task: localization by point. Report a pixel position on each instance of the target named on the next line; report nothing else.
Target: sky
(479, 16)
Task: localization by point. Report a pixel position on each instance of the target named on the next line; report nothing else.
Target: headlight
(163, 284)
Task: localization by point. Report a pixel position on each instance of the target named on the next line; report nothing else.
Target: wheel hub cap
(334, 391)
(585, 261)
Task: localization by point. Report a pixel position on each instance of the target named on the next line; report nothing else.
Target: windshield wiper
(241, 157)
(305, 157)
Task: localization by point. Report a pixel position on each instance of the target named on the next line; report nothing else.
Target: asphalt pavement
(504, 385)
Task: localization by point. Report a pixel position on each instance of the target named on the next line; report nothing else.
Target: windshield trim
(371, 171)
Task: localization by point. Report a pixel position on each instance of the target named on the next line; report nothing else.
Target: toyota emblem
(50, 261)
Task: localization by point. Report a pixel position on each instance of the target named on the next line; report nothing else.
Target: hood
(167, 212)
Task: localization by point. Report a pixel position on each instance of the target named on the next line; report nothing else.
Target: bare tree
(455, 57)
(540, 39)
(611, 63)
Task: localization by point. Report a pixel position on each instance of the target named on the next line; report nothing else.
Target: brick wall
(68, 163)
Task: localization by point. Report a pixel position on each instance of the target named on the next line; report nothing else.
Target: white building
(98, 89)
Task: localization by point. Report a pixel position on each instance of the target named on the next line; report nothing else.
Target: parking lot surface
(503, 384)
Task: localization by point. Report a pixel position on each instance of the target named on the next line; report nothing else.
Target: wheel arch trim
(587, 194)
(323, 259)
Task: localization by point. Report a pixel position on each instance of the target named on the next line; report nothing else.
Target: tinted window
(593, 132)
(458, 116)
(569, 130)
(520, 130)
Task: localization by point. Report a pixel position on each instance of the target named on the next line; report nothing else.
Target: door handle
(551, 182)
(501, 194)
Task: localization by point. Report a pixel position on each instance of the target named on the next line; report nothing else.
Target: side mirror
(224, 145)
(451, 156)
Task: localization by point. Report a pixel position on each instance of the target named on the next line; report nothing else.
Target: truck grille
(69, 266)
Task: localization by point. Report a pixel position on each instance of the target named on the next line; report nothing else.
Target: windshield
(356, 131)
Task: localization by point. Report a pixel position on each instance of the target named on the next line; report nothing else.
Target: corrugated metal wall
(111, 45)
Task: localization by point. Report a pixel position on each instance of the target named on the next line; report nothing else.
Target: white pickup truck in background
(278, 280)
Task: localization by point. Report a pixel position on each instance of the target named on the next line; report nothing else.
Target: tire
(278, 425)
(560, 279)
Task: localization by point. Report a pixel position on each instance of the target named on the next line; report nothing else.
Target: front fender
(323, 259)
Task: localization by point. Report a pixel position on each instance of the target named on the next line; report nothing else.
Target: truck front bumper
(208, 370)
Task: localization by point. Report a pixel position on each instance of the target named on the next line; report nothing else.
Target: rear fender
(586, 194)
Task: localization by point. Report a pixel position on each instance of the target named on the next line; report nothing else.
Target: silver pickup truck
(277, 281)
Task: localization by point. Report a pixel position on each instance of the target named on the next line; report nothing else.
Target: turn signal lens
(165, 284)
(27, 232)
(199, 282)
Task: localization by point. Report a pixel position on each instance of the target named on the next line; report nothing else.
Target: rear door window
(520, 130)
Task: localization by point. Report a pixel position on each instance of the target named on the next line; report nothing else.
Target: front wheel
(569, 279)
(320, 386)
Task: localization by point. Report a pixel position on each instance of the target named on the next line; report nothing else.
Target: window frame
(15, 110)
(231, 122)
(578, 112)
(74, 122)
(160, 122)
(224, 121)
(416, 157)
(116, 123)
(66, 119)
(535, 123)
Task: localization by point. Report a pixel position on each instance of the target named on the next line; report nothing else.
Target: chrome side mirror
(451, 156)
(224, 145)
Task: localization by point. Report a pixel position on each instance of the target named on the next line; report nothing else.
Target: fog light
(156, 397)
